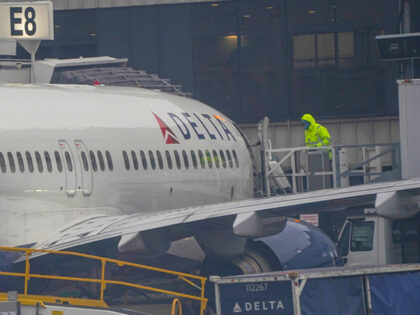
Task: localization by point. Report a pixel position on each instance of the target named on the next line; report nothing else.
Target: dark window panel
(57, 160)
(30, 162)
(126, 160)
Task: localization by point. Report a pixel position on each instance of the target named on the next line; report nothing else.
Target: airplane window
(48, 161)
(201, 157)
(160, 160)
(126, 160)
(68, 161)
(194, 159)
(29, 161)
(222, 158)
(39, 162)
(177, 159)
(236, 158)
(57, 160)
(185, 156)
(101, 160)
(20, 162)
(229, 157)
(2, 163)
(168, 159)
(216, 159)
(152, 160)
(84, 161)
(11, 162)
(135, 161)
(143, 160)
(93, 160)
(109, 160)
(208, 158)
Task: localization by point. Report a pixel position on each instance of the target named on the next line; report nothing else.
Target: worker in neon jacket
(316, 135)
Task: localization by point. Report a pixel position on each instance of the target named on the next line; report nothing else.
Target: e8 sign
(26, 20)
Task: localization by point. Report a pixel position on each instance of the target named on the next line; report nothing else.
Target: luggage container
(391, 289)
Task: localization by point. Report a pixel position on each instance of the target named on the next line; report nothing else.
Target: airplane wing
(397, 199)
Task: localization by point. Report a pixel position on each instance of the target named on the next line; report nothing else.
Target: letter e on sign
(26, 20)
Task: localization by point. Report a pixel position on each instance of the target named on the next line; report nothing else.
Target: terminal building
(248, 58)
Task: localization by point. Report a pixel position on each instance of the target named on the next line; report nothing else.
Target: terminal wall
(247, 58)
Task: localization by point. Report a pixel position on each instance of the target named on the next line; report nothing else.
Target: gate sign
(26, 20)
(256, 298)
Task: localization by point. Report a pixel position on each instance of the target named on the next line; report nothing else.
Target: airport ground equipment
(378, 290)
(102, 281)
(370, 239)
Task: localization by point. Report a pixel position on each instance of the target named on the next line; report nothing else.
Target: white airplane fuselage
(98, 135)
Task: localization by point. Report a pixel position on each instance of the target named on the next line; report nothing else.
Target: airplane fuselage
(72, 151)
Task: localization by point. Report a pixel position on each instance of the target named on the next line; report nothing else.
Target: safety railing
(369, 165)
(301, 169)
(273, 169)
(102, 280)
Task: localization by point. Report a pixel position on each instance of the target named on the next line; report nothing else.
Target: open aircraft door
(69, 169)
(85, 167)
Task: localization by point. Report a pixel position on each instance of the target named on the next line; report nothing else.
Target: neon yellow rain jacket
(316, 135)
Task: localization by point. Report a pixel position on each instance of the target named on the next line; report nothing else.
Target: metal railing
(291, 166)
(102, 281)
(363, 169)
(297, 170)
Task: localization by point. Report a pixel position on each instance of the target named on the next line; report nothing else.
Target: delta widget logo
(167, 132)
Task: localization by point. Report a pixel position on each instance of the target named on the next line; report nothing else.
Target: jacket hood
(308, 117)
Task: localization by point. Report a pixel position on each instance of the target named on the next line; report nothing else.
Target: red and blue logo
(167, 132)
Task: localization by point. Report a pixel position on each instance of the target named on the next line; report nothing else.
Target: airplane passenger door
(68, 166)
(85, 167)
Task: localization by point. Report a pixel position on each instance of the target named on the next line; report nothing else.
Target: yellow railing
(176, 305)
(189, 279)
